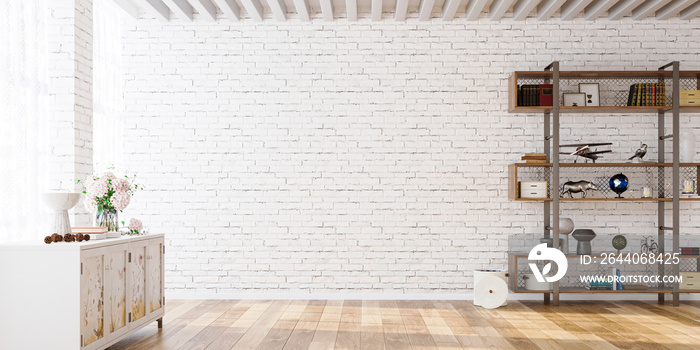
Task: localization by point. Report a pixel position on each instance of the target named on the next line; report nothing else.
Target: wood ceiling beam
(254, 9)
(548, 8)
(449, 9)
(674, 8)
(648, 9)
(523, 8)
(426, 10)
(129, 7)
(327, 10)
(571, 9)
(157, 9)
(303, 9)
(181, 8)
(623, 8)
(598, 9)
(475, 8)
(376, 10)
(279, 9)
(401, 10)
(499, 8)
(205, 8)
(691, 12)
(230, 8)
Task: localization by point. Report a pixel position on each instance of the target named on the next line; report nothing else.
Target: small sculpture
(584, 237)
(618, 184)
(640, 152)
(619, 242)
(582, 187)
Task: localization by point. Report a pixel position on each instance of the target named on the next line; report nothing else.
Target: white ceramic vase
(687, 147)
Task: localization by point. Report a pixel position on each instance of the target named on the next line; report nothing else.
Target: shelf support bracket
(665, 228)
(665, 137)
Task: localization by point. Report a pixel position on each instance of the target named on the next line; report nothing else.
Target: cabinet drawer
(533, 189)
(689, 97)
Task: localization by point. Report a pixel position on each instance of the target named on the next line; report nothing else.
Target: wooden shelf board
(607, 199)
(607, 165)
(603, 109)
(599, 255)
(581, 290)
(607, 74)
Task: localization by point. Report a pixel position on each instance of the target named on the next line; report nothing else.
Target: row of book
(690, 250)
(535, 95)
(647, 94)
(536, 158)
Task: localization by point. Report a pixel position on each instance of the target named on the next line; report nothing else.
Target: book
(620, 286)
(533, 157)
(90, 229)
(636, 287)
(613, 272)
(630, 97)
(536, 161)
(545, 94)
(535, 154)
(599, 287)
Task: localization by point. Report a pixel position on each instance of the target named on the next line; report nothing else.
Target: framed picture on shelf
(574, 99)
(592, 92)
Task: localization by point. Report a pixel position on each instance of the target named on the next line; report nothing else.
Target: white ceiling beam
(376, 10)
(230, 8)
(547, 9)
(129, 7)
(205, 8)
(351, 10)
(691, 12)
(157, 9)
(499, 8)
(598, 9)
(571, 9)
(449, 9)
(648, 9)
(401, 10)
(279, 9)
(523, 9)
(623, 8)
(181, 7)
(426, 10)
(254, 9)
(475, 8)
(673, 9)
(327, 10)
(303, 9)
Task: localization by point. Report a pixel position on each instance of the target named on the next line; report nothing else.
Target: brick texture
(365, 158)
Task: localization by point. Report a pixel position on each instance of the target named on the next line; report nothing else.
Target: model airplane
(584, 150)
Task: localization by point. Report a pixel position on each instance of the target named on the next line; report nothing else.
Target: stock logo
(542, 252)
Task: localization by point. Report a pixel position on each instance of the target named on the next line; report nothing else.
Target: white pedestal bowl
(61, 202)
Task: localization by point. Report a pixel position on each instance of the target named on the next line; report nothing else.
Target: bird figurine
(640, 153)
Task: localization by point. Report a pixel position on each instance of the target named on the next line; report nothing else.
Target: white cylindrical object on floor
(479, 276)
(532, 284)
(491, 291)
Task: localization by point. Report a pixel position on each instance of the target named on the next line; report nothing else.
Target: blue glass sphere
(618, 184)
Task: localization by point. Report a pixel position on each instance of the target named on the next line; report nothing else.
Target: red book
(546, 97)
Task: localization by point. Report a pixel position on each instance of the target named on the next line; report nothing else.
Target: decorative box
(690, 280)
(689, 97)
(533, 189)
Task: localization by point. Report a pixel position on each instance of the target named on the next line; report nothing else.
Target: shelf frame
(552, 125)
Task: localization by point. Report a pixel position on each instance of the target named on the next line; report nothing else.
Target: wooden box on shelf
(689, 98)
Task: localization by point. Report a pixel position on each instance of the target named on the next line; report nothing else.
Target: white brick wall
(359, 159)
(70, 93)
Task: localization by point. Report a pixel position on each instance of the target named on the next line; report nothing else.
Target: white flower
(90, 204)
(98, 188)
(135, 225)
(121, 185)
(120, 200)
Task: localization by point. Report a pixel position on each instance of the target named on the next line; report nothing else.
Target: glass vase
(108, 217)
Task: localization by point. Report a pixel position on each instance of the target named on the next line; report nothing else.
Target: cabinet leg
(160, 322)
(661, 298)
(676, 299)
(546, 299)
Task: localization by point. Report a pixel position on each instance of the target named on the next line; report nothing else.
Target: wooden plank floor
(395, 325)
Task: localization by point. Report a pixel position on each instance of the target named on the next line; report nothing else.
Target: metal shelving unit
(552, 75)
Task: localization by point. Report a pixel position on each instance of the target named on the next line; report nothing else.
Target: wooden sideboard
(87, 295)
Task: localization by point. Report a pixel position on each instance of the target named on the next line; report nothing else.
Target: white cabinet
(86, 295)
